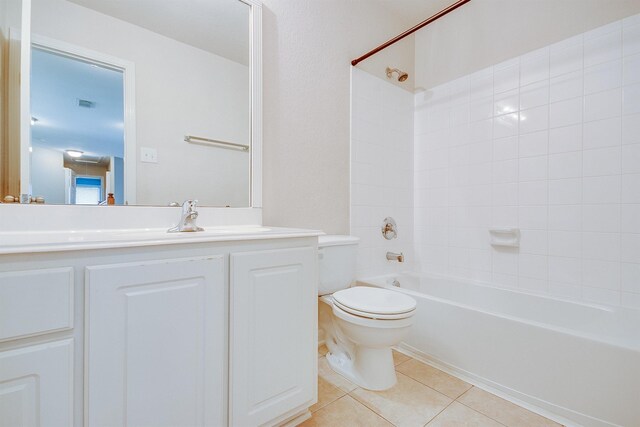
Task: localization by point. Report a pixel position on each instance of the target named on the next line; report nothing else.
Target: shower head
(402, 76)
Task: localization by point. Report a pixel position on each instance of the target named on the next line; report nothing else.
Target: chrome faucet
(392, 256)
(188, 218)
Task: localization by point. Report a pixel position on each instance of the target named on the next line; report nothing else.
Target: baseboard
(297, 419)
(546, 409)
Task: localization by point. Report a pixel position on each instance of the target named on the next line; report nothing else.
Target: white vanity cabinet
(156, 348)
(195, 333)
(273, 334)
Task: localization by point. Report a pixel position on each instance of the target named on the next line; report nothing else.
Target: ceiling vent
(83, 103)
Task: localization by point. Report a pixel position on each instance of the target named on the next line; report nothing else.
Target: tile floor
(423, 396)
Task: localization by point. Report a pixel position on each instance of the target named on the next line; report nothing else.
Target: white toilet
(359, 324)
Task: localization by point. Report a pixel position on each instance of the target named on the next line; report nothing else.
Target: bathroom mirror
(151, 101)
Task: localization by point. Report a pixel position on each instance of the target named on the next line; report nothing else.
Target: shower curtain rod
(411, 30)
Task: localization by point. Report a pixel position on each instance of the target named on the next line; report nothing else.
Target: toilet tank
(336, 262)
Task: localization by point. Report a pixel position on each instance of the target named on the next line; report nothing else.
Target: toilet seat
(373, 315)
(375, 303)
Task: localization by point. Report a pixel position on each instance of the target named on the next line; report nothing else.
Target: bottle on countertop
(111, 200)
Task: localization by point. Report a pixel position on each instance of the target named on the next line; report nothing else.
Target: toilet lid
(370, 300)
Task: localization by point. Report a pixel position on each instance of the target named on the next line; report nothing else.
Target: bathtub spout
(392, 256)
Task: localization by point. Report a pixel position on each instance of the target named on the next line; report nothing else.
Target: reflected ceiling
(217, 26)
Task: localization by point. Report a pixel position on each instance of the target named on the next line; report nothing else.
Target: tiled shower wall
(381, 171)
(548, 142)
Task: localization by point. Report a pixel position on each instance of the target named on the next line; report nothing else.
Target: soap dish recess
(505, 236)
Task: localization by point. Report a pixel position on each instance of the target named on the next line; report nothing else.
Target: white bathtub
(578, 363)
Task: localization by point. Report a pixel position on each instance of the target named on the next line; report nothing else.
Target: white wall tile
(631, 158)
(631, 129)
(568, 138)
(603, 105)
(533, 144)
(533, 193)
(565, 191)
(600, 48)
(630, 248)
(601, 246)
(534, 66)
(532, 168)
(566, 86)
(532, 217)
(533, 266)
(506, 102)
(534, 119)
(601, 189)
(481, 109)
(603, 161)
(603, 218)
(505, 125)
(565, 217)
(565, 113)
(534, 95)
(505, 171)
(565, 243)
(630, 188)
(506, 76)
(604, 76)
(565, 270)
(602, 133)
(565, 165)
(601, 274)
(534, 241)
(505, 148)
(631, 99)
(630, 218)
(630, 277)
(630, 39)
(631, 69)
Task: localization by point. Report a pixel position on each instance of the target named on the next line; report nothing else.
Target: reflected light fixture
(34, 120)
(74, 153)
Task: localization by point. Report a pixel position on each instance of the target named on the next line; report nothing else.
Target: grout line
(370, 409)
(436, 415)
(483, 414)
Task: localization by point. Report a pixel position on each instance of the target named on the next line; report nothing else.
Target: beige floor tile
(323, 350)
(344, 412)
(434, 378)
(398, 358)
(407, 404)
(502, 411)
(326, 373)
(327, 393)
(458, 415)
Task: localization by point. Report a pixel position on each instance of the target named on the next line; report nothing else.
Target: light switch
(148, 155)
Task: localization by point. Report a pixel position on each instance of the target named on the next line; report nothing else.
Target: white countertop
(72, 240)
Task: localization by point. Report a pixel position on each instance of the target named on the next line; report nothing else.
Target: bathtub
(576, 363)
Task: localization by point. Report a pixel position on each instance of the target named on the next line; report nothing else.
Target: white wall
(308, 47)
(547, 142)
(47, 174)
(381, 171)
(179, 90)
(486, 32)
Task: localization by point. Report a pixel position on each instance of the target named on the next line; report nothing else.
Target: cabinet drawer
(35, 302)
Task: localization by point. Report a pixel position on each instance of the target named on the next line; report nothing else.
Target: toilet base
(371, 369)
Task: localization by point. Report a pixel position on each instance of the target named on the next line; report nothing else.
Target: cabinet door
(273, 334)
(156, 343)
(36, 385)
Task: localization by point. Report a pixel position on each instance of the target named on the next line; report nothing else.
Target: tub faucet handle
(392, 256)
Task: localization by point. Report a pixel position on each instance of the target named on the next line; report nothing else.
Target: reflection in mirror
(77, 130)
(117, 89)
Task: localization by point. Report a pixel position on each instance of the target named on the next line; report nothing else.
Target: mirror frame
(255, 67)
